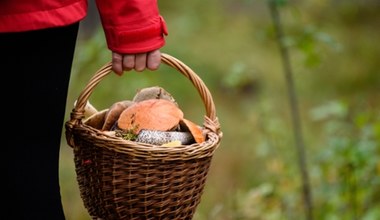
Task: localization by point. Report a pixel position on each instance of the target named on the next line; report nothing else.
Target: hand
(139, 62)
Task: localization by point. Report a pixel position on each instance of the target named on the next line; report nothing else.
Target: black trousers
(35, 68)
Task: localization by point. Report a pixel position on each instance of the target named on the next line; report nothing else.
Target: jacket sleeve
(132, 26)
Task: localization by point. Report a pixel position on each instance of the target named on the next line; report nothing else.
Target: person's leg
(37, 68)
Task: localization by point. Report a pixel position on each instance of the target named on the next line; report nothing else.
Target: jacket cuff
(141, 40)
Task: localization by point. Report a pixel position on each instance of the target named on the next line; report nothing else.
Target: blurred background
(334, 52)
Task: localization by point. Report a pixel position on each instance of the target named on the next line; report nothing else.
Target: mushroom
(194, 129)
(89, 109)
(163, 137)
(151, 114)
(114, 112)
(96, 120)
(172, 144)
(154, 92)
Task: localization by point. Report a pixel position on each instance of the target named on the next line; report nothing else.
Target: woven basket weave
(120, 179)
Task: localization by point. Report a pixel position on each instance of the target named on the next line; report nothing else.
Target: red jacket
(130, 26)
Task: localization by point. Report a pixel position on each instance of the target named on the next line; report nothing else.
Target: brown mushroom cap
(151, 114)
(114, 112)
(154, 92)
(194, 129)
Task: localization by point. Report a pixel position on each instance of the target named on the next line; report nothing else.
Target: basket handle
(211, 120)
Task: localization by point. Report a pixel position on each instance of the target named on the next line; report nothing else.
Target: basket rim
(85, 133)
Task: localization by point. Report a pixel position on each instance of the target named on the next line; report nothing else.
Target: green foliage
(348, 164)
(129, 134)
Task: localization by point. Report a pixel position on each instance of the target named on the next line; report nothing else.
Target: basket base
(115, 186)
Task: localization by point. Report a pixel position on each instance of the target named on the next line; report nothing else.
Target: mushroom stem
(89, 109)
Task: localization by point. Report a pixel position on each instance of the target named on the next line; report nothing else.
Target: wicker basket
(121, 179)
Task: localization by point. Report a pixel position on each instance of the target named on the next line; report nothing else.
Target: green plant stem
(300, 146)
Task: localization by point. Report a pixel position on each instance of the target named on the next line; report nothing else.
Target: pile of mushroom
(152, 116)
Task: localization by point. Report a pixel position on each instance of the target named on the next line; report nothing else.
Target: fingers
(128, 62)
(154, 60)
(138, 62)
(117, 63)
